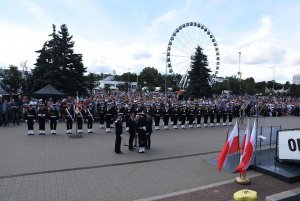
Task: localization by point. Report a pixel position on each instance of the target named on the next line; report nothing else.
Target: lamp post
(273, 67)
(128, 80)
(239, 73)
(166, 74)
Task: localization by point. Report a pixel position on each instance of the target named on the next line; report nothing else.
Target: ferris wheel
(182, 45)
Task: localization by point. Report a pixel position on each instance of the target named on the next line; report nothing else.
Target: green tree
(198, 85)
(91, 81)
(150, 78)
(13, 79)
(57, 64)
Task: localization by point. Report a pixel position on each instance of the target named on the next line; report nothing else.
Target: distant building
(296, 79)
(115, 85)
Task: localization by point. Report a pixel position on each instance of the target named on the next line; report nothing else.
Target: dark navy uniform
(148, 131)
(141, 129)
(198, 116)
(191, 115)
(89, 116)
(42, 115)
(119, 133)
(157, 115)
(53, 118)
(182, 116)
(131, 129)
(175, 116)
(30, 117)
(102, 111)
(166, 116)
(69, 119)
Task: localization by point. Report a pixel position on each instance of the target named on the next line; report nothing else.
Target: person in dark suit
(132, 130)
(148, 131)
(119, 133)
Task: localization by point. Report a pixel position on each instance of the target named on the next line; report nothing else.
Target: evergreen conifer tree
(198, 76)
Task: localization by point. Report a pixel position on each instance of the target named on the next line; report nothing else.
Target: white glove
(33, 120)
(121, 136)
(56, 121)
(26, 121)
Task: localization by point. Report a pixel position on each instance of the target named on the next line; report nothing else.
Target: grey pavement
(87, 169)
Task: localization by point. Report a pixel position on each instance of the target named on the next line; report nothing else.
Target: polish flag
(245, 140)
(248, 152)
(231, 146)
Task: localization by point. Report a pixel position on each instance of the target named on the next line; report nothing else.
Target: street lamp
(128, 80)
(273, 67)
(239, 73)
(166, 74)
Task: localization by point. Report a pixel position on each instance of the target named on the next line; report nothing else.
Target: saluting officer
(53, 118)
(30, 116)
(42, 113)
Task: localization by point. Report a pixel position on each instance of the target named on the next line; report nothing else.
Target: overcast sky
(127, 35)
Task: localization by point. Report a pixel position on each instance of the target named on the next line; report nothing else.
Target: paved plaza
(36, 168)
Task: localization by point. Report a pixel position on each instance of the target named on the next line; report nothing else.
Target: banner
(289, 144)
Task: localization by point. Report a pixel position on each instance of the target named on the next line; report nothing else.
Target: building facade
(296, 79)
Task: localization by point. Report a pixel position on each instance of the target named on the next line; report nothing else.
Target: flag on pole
(231, 146)
(245, 140)
(248, 152)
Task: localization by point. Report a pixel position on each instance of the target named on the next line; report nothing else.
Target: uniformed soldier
(30, 117)
(42, 115)
(198, 115)
(175, 116)
(53, 118)
(89, 114)
(148, 131)
(109, 117)
(141, 129)
(79, 113)
(230, 116)
(69, 118)
(191, 115)
(212, 116)
(205, 115)
(157, 116)
(132, 130)
(224, 115)
(119, 133)
(102, 111)
(166, 116)
(182, 116)
(218, 115)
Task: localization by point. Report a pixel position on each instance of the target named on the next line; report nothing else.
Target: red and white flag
(231, 146)
(245, 141)
(248, 152)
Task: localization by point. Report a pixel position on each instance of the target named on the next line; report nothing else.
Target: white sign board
(289, 144)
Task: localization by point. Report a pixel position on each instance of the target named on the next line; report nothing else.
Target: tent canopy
(2, 91)
(49, 91)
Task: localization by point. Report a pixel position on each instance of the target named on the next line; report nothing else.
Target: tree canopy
(198, 76)
(57, 64)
